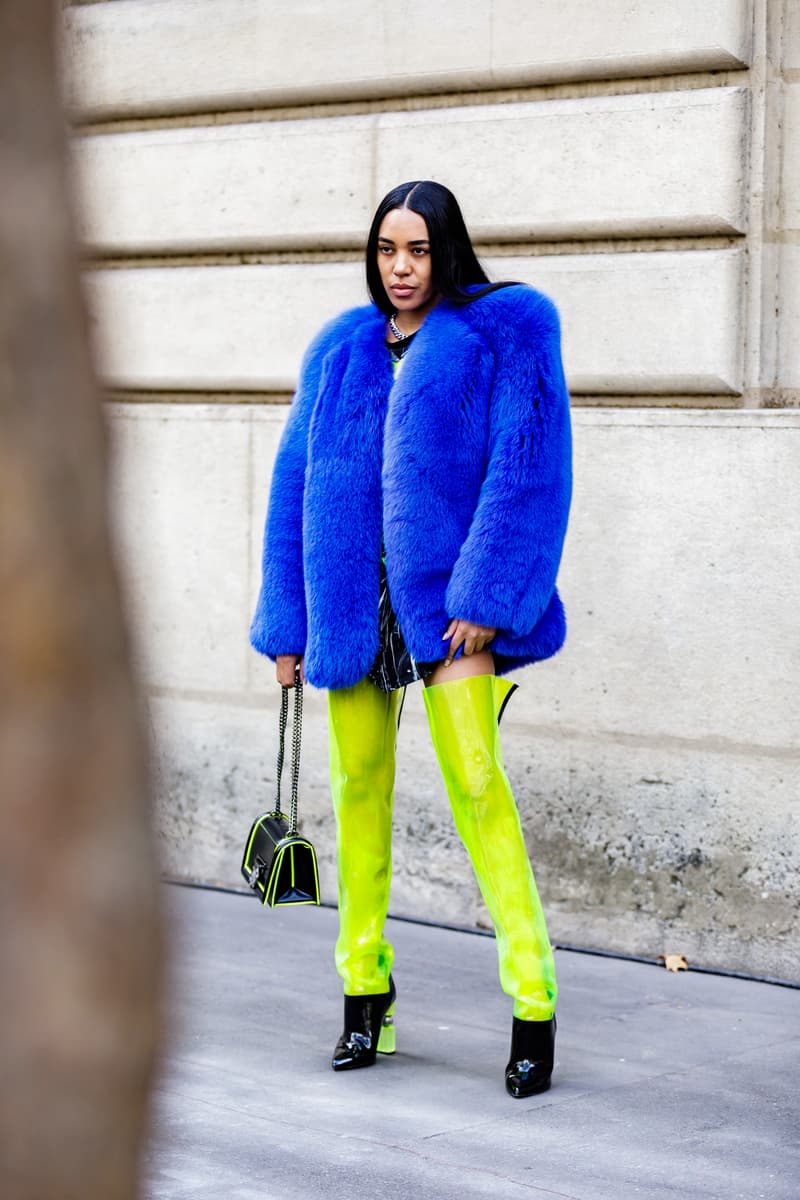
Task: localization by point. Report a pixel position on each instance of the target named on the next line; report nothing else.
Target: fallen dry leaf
(674, 962)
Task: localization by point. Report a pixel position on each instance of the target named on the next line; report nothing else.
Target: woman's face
(404, 261)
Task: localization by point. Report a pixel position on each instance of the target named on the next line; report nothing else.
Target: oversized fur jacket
(463, 463)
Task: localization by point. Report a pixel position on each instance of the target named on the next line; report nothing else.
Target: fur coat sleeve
(280, 623)
(505, 574)
(282, 560)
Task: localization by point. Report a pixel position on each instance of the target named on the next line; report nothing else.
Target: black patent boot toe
(368, 1029)
(530, 1065)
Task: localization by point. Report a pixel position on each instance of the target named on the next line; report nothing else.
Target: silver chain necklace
(401, 337)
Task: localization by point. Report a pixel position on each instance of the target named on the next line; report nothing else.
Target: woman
(416, 519)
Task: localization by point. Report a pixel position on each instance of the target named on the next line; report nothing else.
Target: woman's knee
(469, 773)
(366, 765)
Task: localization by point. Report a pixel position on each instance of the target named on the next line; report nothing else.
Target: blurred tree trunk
(79, 948)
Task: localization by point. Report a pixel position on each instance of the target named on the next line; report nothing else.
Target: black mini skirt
(394, 667)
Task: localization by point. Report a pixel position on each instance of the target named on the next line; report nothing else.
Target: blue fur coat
(463, 462)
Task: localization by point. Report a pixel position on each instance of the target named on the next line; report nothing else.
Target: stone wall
(639, 164)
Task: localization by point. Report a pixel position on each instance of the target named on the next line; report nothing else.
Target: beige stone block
(234, 328)
(681, 606)
(593, 167)
(789, 317)
(277, 184)
(791, 35)
(248, 52)
(790, 175)
(240, 53)
(618, 165)
(577, 40)
(664, 322)
(180, 498)
(633, 323)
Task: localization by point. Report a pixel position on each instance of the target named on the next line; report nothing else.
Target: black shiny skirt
(394, 667)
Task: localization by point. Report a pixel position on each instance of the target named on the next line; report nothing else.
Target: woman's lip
(400, 290)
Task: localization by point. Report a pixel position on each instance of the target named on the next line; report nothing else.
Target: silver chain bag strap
(278, 864)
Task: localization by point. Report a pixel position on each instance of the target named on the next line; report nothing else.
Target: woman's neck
(411, 321)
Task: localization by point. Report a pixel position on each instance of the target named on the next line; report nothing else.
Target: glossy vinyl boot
(362, 723)
(368, 1030)
(464, 716)
(530, 1065)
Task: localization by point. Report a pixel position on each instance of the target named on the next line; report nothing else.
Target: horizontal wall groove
(751, 400)
(419, 101)
(654, 400)
(774, 397)
(194, 396)
(709, 743)
(355, 253)
(283, 398)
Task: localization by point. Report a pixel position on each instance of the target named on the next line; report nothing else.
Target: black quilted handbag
(278, 864)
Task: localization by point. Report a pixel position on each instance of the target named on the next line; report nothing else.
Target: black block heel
(530, 1065)
(363, 1035)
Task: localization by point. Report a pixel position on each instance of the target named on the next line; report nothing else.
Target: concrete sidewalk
(665, 1085)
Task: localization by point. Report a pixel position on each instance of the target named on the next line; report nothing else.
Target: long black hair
(454, 265)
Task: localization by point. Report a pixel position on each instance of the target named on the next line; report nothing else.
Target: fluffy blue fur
(464, 462)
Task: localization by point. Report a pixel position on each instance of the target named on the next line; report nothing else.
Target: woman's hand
(463, 633)
(284, 669)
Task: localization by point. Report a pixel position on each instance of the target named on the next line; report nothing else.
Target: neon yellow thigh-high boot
(362, 728)
(463, 716)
